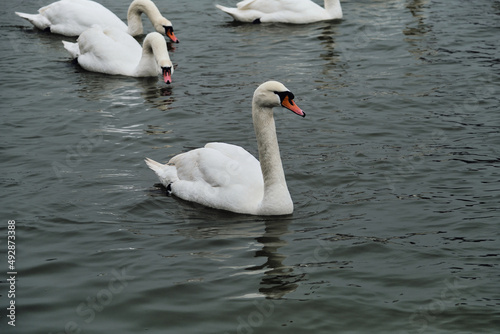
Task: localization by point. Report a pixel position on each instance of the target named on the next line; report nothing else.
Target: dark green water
(395, 176)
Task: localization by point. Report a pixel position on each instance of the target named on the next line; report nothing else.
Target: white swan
(285, 11)
(113, 51)
(72, 17)
(227, 177)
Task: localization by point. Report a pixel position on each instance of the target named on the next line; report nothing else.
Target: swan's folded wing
(71, 18)
(233, 151)
(263, 6)
(219, 175)
(218, 165)
(108, 50)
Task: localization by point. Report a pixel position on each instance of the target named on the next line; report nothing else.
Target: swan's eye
(168, 30)
(282, 95)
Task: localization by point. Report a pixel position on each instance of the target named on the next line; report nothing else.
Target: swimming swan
(227, 177)
(285, 11)
(72, 17)
(113, 51)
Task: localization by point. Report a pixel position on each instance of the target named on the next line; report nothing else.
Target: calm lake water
(395, 176)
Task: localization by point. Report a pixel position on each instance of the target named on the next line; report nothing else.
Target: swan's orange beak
(167, 74)
(169, 31)
(172, 37)
(290, 105)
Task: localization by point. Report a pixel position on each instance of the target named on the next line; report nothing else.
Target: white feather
(285, 11)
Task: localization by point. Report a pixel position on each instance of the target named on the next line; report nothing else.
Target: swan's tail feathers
(72, 48)
(167, 174)
(26, 16)
(223, 8)
(154, 165)
(39, 21)
(230, 11)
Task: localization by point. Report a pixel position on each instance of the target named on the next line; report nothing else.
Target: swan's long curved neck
(154, 53)
(275, 188)
(135, 10)
(333, 8)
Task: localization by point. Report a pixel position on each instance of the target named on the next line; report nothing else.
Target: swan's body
(113, 51)
(227, 177)
(73, 17)
(285, 11)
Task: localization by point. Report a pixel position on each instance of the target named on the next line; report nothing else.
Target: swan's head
(154, 45)
(274, 94)
(164, 26)
(167, 68)
(167, 72)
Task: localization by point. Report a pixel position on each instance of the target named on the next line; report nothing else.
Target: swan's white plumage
(73, 17)
(113, 51)
(226, 176)
(218, 175)
(285, 11)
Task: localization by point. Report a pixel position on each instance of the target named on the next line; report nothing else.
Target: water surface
(394, 174)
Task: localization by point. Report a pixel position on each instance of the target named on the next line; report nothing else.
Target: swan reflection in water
(276, 278)
(119, 90)
(416, 31)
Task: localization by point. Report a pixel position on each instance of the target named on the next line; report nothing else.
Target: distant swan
(113, 51)
(227, 177)
(285, 11)
(72, 17)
